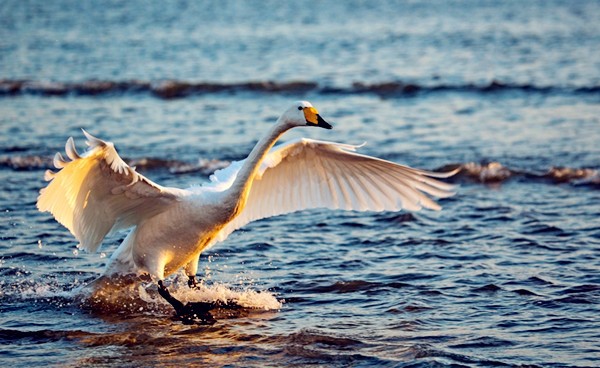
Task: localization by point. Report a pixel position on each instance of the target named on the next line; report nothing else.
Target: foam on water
(136, 297)
(218, 293)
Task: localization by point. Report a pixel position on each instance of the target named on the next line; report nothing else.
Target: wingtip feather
(446, 174)
(71, 150)
(91, 140)
(59, 161)
(49, 175)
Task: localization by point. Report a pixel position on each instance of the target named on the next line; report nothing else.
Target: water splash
(221, 294)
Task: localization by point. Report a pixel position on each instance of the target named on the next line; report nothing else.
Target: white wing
(311, 174)
(98, 192)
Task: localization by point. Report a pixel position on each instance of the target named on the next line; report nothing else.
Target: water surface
(507, 274)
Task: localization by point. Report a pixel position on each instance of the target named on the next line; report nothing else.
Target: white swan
(97, 192)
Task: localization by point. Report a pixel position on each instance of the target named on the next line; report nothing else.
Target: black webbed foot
(189, 313)
(197, 312)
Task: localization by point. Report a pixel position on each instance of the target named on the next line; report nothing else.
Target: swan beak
(314, 119)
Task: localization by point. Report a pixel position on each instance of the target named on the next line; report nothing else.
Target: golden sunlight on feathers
(97, 192)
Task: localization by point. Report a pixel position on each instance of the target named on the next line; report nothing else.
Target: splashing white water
(137, 297)
(222, 293)
(216, 293)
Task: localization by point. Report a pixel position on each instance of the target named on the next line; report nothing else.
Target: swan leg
(164, 292)
(192, 283)
(191, 268)
(190, 312)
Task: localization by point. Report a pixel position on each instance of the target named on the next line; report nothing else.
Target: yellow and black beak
(314, 119)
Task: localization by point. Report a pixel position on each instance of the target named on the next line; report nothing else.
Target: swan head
(302, 113)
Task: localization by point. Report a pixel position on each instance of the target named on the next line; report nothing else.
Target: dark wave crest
(204, 166)
(162, 89)
(168, 89)
(40, 336)
(495, 172)
(485, 173)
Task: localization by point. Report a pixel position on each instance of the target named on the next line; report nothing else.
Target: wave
(163, 89)
(485, 173)
(495, 172)
(204, 166)
(168, 89)
(40, 336)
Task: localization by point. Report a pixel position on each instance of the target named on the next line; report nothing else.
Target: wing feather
(382, 192)
(354, 190)
(97, 192)
(311, 174)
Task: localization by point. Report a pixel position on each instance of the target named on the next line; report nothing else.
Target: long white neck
(237, 194)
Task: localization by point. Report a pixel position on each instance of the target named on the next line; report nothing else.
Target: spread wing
(98, 192)
(310, 174)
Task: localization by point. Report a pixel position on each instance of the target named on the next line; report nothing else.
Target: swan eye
(299, 107)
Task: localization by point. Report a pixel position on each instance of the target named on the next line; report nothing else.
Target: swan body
(96, 193)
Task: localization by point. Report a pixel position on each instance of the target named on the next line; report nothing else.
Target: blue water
(507, 274)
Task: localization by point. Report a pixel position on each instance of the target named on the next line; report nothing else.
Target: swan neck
(243, 182)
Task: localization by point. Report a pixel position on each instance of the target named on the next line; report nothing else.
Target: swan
(97, 193)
